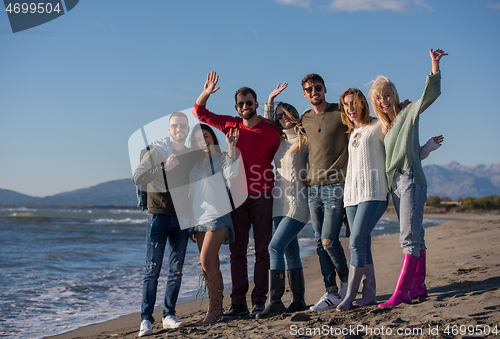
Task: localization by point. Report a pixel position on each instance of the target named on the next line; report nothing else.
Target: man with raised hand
(165, 158)
(257, 143)
(327, 167)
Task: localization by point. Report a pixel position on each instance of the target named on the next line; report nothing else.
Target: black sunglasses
(280, 115)
(317, 88)
(241, 103)
(181, 126)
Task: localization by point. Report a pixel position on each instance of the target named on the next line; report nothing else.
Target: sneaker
(326, 302)
(170, 321)
(258, 307)
(146, 328)
(237, 311)
(343, 290)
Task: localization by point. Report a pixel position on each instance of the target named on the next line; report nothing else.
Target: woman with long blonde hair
(405, 176)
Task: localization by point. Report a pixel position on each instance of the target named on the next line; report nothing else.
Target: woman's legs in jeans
(284, 243)
(362, 219)
(409, 200)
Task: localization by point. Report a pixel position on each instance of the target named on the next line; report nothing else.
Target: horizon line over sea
(81, 266)
(481, 170)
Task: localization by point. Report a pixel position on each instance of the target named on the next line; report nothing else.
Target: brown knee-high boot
(215, 286)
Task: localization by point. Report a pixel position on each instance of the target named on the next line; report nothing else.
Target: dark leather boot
(297, 288)
(276, 290)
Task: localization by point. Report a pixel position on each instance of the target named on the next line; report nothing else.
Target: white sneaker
(146, 328)
(326, 302)
(343, 290)
(171, 321)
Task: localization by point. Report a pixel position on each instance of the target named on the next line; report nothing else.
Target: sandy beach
(463, 279)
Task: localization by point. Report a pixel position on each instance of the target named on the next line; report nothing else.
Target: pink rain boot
(405, 281)
(419, 290)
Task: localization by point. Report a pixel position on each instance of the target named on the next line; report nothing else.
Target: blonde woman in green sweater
(405, 176)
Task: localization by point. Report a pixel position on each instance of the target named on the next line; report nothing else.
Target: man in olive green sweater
(327, 167)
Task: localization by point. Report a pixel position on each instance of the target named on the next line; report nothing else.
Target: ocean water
(61, 269)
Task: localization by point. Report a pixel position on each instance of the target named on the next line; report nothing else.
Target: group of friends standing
(332, 161)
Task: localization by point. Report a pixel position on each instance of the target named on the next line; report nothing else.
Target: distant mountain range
(451, 180)
(454, 180)
(111, 193)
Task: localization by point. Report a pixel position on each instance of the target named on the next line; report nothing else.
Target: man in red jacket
(258, 143)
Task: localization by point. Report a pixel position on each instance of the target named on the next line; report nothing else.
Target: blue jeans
(326, 204)
(409, 200)
(160, 228)
(362, 219)
(284, 243)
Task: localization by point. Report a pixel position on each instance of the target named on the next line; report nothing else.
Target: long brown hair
(290, 112)
(359, 99)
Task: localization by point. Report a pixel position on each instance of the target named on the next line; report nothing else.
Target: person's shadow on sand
(458, 289)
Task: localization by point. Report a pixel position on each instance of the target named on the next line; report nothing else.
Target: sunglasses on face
(181, 126)
(280, 116)
(242, 103)
(317, 88)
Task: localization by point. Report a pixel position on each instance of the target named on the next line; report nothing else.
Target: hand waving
(280, 88)
(403, 104)
(438, 140)
(212, 79)
(232, 137)
(437, 54)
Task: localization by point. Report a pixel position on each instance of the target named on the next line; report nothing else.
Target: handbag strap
(212, 165)
(227, 189)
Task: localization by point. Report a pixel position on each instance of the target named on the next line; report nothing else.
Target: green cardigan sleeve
(402, 145)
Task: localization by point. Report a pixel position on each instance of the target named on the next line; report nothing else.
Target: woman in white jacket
(211, 209)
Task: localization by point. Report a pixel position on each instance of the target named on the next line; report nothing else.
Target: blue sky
(73, 90)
